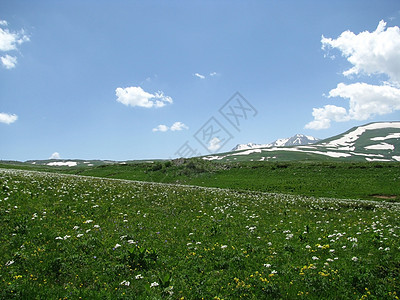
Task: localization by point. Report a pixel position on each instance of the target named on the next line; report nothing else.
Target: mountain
(371, 142)
(298, 139)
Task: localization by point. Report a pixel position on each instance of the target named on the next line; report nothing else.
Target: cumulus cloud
(368, 100)
(370, 53)
(177, 126)
(136, 96)
(8, 118)
(199, 75)
(214, 144)
(55, 155)
(376, 52)
(8, 61)
(9, 41)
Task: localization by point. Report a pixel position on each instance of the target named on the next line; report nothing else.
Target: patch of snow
(349, 138)
(215, 157)
(247, 152)
(377, 159)
(307, 147)
(328, 153)
(396, 158)
(390, 136)
(382, 146)
(364, 154)
(63, 164)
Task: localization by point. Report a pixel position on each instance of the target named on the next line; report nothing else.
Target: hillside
(370, 142)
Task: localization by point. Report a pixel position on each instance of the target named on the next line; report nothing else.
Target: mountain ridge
(377, 141)
(297, 139)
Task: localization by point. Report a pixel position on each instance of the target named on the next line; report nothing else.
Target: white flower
(59, 238)
(10, 262)
(67, 237)
(96, 226)
(125, 282)
(267, 265)
(131, 242)
(223, 246)
(274, 272)
(139, 276)
(79, 235)
(88, 221)
(314, 258)
(387, 249)
(153, 284)
(354, 258)
(76, 227)
(308, 247)
(117, 246)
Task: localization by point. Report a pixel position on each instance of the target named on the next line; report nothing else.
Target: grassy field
(69, 236)
(361, 180)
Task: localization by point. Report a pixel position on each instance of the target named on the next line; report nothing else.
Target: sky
(127, 80)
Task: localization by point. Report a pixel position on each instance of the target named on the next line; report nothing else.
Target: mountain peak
(296, 140)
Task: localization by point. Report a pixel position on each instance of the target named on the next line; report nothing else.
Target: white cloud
(199, 75)
(8, 118)
(323, 116)
(212, 74)
(370, 53)
(214, 144)
(368, 100)
(161, 128)
(136, 96)
(177, 126)
(10, 40)
(376, 52)
(55, 155)
(8, 61)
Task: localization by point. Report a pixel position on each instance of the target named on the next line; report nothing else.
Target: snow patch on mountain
(297, 140)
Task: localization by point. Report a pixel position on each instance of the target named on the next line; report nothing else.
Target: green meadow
(69, 237)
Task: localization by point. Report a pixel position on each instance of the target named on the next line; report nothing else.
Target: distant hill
(371, 142)
(296, 140)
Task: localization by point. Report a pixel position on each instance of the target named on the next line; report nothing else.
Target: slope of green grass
(322, 179)
(69, 237)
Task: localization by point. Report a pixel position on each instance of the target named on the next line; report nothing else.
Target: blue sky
(138, 79)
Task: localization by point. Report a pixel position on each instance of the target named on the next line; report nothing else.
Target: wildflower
(139, 276)
(116, 246)
(88, 221)
(96, 226)
(153, 284)
(10, 262)
(223, 246)
(59, 238)
(79, 235)
(314, 258)
(125, 282)
(76, 227)
(308, 247)
(354, 258)
(267, 265)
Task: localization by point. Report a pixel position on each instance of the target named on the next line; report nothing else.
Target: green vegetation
(361, 180)
(70, 236)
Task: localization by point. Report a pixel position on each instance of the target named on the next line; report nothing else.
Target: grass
(71, 236)
(356, 180)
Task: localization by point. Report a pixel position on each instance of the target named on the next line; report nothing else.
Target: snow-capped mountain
(296, 140)
(377, 142)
